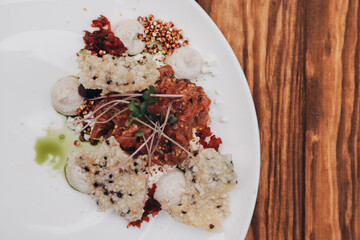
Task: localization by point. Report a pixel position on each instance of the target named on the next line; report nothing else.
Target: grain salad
(116, 74)
(124, 190)
(137, 97)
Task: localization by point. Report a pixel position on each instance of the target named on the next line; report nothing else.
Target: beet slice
(88, 93)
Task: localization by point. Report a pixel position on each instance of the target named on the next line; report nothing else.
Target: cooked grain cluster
(209, 177)
(122, 191)
(124, 74)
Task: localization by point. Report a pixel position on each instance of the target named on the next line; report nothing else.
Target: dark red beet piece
(88, 93)
(101, 22)
(214, 141)
(103, 39)
(152, 207)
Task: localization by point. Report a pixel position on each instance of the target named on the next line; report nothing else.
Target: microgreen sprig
(139, 134)
(172, 119)
(139, 106)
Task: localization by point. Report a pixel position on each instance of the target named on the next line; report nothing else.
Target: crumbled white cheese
(73, 126)
(209, 65)
(224, 119)
(156, 171)
(140, 58)
(159, 59)
(211, 113)
(217, 101)
(194, 142)
(78, 126)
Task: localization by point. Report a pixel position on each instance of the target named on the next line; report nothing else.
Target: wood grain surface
(302, 61)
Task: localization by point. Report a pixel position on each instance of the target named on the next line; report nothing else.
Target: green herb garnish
(139, 106)
(172, 119)
(132, 106)
(128, 122)
(143, 107)
(139, 134)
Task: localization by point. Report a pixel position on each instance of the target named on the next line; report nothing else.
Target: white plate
(38, 43)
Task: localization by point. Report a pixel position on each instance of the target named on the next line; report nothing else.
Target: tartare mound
(191, 111)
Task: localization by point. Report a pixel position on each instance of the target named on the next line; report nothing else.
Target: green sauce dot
(48, 149)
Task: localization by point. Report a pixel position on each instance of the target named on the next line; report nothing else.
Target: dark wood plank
(302, 60)
(332, 120)
(266, 37)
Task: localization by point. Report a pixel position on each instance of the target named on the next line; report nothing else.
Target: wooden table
(302, 62)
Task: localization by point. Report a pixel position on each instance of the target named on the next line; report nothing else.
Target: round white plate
(38, 45)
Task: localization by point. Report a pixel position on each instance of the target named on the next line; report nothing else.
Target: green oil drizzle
(53, 148)
(50, 149)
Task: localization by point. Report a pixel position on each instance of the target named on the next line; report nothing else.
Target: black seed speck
(105, 157)
(211, 226)
(106, 192)
(184, 212)
(128, 211)
(96, 184)
(107, 142)
(94, 77)
(109, 82)
(110, 176)
(136, 171)
(130, 194)
(119, 194)
(135, 164)
(97, 172)
(111, 181)
(87, 169)
(219, 206)
(193, 180)
(112, 201)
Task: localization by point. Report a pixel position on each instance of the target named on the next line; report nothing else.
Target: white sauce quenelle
(65, 97)
(170, 187)
(127, 30)
(186, 62)
(76, 176)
